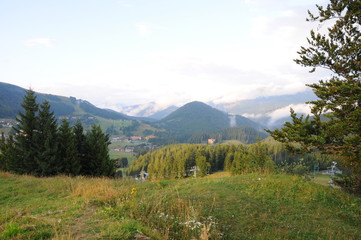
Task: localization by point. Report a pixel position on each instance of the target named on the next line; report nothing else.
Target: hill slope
(240, 207)
(11, 97)
(199, 117)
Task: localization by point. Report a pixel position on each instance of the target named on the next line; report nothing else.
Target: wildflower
(134, 191)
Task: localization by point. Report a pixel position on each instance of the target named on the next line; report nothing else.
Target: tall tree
(339, 50)
(98, 154)
(7, 152)
(26, 136)
(67, 152)
(48, 158)
(81, 148)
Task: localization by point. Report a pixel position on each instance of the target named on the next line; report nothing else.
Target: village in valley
(130, 144)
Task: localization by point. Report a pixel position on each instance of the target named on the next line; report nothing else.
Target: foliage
(244, 134)
(27, 136)
(176, 161)
(81, 148)
(98, 155)
(128, 130)
(47, 160)
(67, 152)
(339, 98)
(39, 147)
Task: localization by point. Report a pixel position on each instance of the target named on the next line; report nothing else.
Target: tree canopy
(335, 126)
(40, 147)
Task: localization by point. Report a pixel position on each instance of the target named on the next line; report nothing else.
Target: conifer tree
(26, 136)
(67, 152)
(98, 155)
(3, 161)
(48, 157)
(6, 152)
(340, 96)
(81, 148)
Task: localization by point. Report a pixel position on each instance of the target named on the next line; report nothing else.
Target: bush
(351, 183)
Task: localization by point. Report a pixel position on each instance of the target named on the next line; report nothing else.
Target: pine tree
(99, 161)
(6, 152)
(340, 96)
(26, 136)
(81, 148)
(67, 152)
(48, 158)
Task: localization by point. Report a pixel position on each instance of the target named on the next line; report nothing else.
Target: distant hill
(197, 118)
(270, 111)
(11, 97)
(262, 105)
(163, 113)
(193, 122)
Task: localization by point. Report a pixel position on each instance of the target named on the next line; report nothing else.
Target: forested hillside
(196, 121)
(176, 161)
(41, 147)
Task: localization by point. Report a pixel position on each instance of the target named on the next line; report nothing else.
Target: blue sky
(115, 53)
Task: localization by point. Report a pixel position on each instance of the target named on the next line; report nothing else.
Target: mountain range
(194, 120)
(271, 111)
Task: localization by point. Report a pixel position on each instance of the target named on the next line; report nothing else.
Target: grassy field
(218, 207)
(115, 155)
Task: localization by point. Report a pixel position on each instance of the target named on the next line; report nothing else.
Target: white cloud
(285, 111)
(270, 118)
(146, 29)
(45, 42)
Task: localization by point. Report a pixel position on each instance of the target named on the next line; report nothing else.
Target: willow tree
(339, 97)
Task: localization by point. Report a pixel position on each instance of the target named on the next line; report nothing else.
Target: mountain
(263, 105)
(150, 110)
(196, 118)
(272, 111)
(11, 97)
(193, 122)
(163, 113)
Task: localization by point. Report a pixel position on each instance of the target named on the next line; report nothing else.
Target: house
(211, 141)
(135, 138)
(129, 149)
(149, 137)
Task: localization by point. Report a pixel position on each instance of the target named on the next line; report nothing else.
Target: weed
(11, 230)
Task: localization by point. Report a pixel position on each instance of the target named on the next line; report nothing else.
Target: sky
(116, 53)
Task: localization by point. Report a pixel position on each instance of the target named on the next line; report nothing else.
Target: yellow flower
(134, 191)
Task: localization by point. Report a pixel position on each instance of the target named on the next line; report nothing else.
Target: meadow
(221, 206)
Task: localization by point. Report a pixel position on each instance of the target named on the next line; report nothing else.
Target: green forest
(42, 147)
(177, 161)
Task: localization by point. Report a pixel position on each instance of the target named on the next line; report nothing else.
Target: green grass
(223, 207)
(115, 154)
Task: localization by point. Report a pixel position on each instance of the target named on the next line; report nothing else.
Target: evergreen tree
(99, 161)
(340, 96)
(67, 152)
(202, 163)
(81, 148)
(48, 158)
(6, 152)
(26, 136)
(3, 160)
